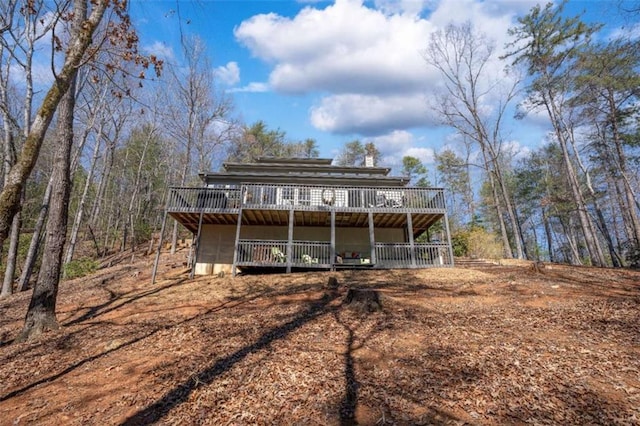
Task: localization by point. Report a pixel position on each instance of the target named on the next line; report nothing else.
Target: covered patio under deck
(327, 238)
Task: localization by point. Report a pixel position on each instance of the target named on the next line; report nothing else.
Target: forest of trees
(574, 199)
(88, 157)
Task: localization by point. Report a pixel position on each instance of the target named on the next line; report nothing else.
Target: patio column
(157, 260)
(235, 245)
(332, 249)
(412, 247)
(196, 249)
(290, 241)
(372, 239)
(446, 227)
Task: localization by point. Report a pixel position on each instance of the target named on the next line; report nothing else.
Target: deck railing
(316, 254)
(398, 255)
(308, 197)
(275, 253)
(311, 253)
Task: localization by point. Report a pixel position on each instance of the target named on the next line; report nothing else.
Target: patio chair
(308, 259)
(278, 255)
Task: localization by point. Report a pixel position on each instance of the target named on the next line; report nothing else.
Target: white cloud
(160, 50)
(366, 62)
(254, 87)
(398, 144)
(229, 73)
(516, 149)
(631, 31)
(407, 7)
(426, 155)
(370, 115)
(344, 48)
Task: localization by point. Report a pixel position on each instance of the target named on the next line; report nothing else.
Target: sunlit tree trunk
(32, 253)
(20, 171)
(461, 56)
(83, 201)
(41, 315)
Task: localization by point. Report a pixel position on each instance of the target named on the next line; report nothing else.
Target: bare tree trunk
(585, 222)
(41, 315)
(12, 190)
(506, 245)
(631, 203)
(603, 224)
(513, 218)
(32, 253)
(547, 232)
(149, 137)
(571, 241)
(83, 201)
(12, 256)
(105, 248)
(102, 186)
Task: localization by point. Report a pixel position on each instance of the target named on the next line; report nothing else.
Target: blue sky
(344, 70)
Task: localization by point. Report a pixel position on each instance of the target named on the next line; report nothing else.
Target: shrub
(483, 244)
(79, 268)
(631, 254)
(460, 243)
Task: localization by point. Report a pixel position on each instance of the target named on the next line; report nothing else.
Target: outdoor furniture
(278, 255)
(308, 259)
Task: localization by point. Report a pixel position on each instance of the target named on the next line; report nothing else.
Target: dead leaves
(456, 346)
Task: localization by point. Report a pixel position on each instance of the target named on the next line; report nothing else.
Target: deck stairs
(474, 263)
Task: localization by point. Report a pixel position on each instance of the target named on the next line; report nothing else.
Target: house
(305, 213)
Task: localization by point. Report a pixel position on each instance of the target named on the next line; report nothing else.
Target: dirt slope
(488, 345)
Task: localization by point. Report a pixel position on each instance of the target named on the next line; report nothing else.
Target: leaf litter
(503, 344)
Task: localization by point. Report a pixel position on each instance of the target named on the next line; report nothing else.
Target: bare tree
(548, 45)
(76, 52)
(95, 98)
(41, 313)
(24, 27)
(474, 103)
(198, 118)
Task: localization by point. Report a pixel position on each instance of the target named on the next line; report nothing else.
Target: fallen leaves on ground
(491, 345)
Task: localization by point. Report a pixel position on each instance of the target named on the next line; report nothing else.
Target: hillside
(477, 345)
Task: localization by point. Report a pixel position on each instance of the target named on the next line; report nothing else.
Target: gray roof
(306, 171)
(303, 179)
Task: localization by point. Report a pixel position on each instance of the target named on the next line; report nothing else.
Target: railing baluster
(306, 197)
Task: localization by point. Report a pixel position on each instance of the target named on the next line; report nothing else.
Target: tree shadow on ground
(180, 394)
(112, 304)
(64, 341)
(67, 340)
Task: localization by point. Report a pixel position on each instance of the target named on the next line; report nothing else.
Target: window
(288, 196)
(304, 196)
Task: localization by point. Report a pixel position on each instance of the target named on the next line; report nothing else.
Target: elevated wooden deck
(270, 205)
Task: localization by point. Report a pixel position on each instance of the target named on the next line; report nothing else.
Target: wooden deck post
(196, 249)
(235, 244)
(157, 259)
(332, 250)
(412, 247)
(446, 227)
(372, 240)
(290, 241)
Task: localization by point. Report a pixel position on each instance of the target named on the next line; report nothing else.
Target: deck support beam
(332, 250)
(412, 247)
(446, 227)
(234, 268)
(290, 241)
(157, 259)
(196, 249)
(372, 239)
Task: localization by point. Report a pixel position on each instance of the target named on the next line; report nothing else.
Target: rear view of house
(304, 213)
